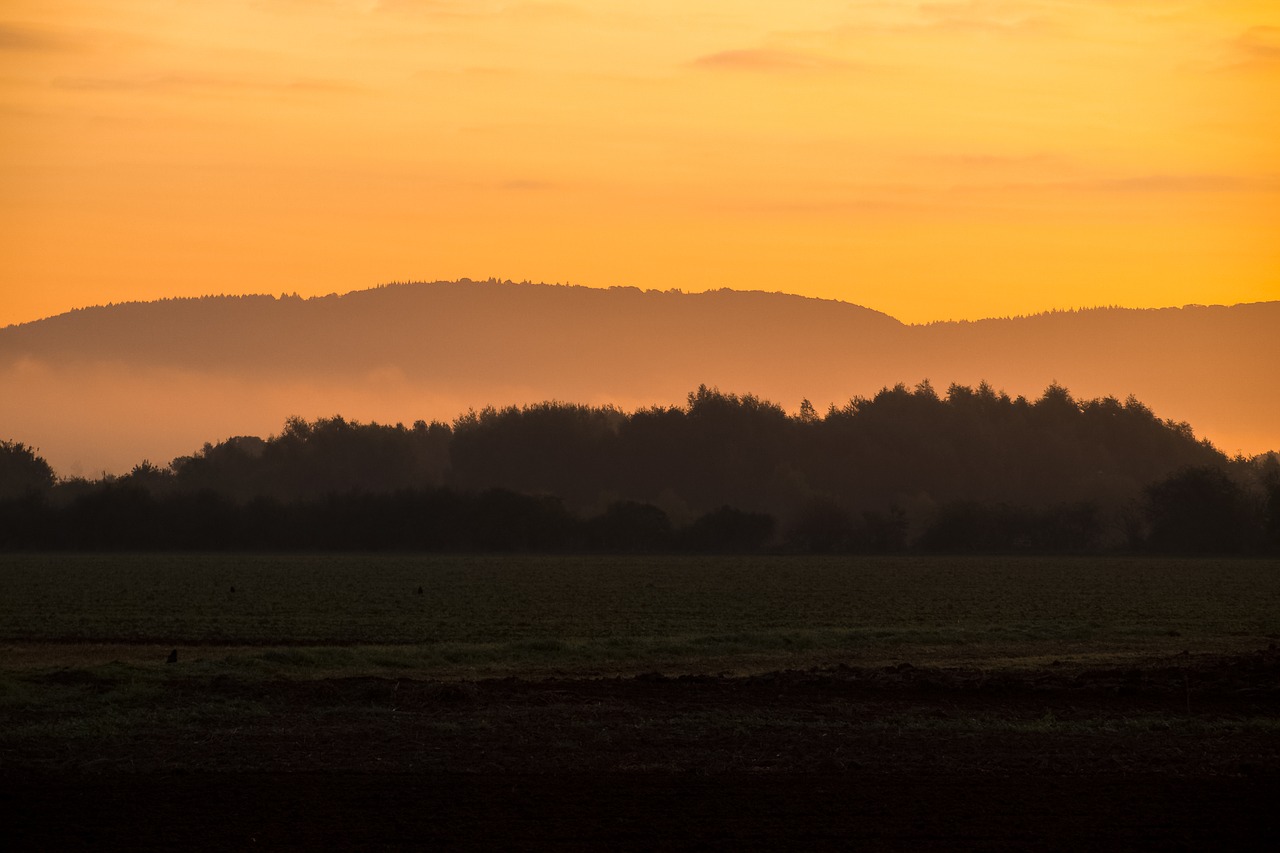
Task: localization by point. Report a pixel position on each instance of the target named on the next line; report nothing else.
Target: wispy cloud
(997, 161)
(438, 8)
(27, 38)
(768, 60)
(1258, 45)
(1186, 183)
(1155, 184)
(958, 17)
(545, 11)
(525, 185)
(981, 16)
(540, 11)
(180, 82)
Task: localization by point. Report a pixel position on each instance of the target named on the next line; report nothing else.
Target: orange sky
(932, 160)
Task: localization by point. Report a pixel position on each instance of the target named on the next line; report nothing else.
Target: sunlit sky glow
(934, 160)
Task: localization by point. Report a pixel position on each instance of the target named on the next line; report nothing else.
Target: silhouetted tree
(313, 459)
(882, 532)
(506, 521)
(22, 471)
(975, 470)
(1265, 472)
(561, 449)
(1198, 511)
(629, 527)
(728, 531)
(822, 526)
(971, 527)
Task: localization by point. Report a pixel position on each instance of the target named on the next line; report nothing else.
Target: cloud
(1258, 45)
(1256, 49)
(929, 193)
(1187, 184)
(531, 11)
(369, 8)
(998, 161)
(854, 204)
(978, 16)
(544, 11)
(971, 17)
(766, 60)
(21, 37)
(179, 82)
(1141, 184)
(874, 24)
(525, 185)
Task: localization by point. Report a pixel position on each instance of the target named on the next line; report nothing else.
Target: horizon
(281, 296)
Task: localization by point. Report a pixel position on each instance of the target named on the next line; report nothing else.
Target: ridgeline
(162, 377)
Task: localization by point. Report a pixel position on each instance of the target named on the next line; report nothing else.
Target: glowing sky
(932, 160)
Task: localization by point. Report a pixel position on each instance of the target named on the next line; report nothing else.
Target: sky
(932, 160)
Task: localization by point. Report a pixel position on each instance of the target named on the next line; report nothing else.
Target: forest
(907, 470)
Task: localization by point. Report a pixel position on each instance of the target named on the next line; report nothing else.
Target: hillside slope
(101, 388)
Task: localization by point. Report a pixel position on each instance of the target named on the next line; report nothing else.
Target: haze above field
(936, 160)
(103, 388)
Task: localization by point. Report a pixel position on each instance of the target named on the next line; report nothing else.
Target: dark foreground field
(1142, 712)
(597, 812)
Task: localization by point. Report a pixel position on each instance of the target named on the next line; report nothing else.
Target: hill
(100, 388)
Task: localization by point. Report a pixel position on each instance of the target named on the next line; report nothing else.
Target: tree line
(971, 470)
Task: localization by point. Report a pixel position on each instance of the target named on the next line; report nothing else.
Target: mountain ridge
(148, 371)
(266, 298)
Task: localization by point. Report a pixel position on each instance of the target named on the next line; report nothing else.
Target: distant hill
(101, 388)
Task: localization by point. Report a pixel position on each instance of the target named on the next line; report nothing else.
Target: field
(393, 702)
